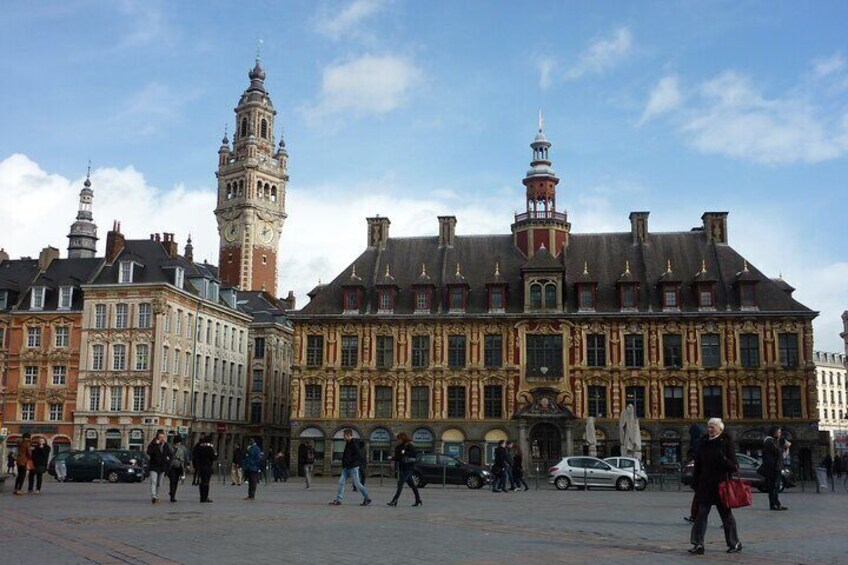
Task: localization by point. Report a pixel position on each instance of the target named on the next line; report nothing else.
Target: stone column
(523, 441)
(569, 440)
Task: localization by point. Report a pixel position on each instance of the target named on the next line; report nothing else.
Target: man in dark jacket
(772, 467)
(351, 458)
(499, 468)
(160, 455)
(203, 457)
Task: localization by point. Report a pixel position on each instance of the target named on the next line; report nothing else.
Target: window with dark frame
(597, 396)
(749, 350)
(544, 356)
(314, 350)
(493, 351)
(550, 295)
(420, 351)
(535, 296)
(747, 295)
(635, 395)
(791, 401)
(628, 296)
(351, 299)
(788, 343)
(347, 401)
(456, 298)
(420, 402)
(672, 350)
(752, 402)
(670, 297)
(586, 297)
(421, 300)
(456, 402)
(493, 401)
(634, 350)
(456, 351)
(350, 350)
(710, 351)
(259, 348)
(673, 401)
(496, 298)
(705, 296)
(385, 351)
(385, 299)
(713, 407)
(596, 350)
(383, 401)
(313, 401)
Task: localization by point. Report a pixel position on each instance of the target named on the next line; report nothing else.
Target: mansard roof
(153, 264)
(262, 307)
(606, 253)
(63, 272)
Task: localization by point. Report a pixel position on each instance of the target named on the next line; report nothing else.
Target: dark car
(434, 468)
(93, 465)
(747, 472)
(131, 457)
(51, 467)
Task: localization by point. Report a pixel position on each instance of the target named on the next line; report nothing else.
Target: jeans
(406, 477)
(205, 476)
(155, 477)
(35, 477)
(307, 473)
(518, 477)
(20, 478)
(699, 528)
(353, 473)
(252, 479)
(174, 476)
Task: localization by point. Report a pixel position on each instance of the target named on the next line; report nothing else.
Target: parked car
(433, 468)
(747, 472)
(62, 455)
(131, 457)
(627, 464)
(92, 465)
(581, 471)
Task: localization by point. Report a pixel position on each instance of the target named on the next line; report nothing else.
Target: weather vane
(258, 47)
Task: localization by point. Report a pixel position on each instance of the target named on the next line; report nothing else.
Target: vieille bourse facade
(464, 340)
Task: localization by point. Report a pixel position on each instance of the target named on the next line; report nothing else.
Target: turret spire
(82, 239)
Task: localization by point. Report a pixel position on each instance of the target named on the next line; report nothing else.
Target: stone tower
(82, 240)
(252, 177)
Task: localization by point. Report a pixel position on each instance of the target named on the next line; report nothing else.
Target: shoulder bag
(734, 492)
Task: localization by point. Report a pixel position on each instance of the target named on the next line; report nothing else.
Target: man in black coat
(772, 467)
(499, 468)
(159, 452)
(203, 456)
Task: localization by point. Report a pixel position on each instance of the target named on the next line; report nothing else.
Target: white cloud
(664, 97)
(546, 67)
(603, 54)
(349, 20)
(146, 25)
(829, 65)
(145, 111)
(368, 85)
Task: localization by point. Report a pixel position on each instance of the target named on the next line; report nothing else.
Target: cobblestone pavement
(103, 523)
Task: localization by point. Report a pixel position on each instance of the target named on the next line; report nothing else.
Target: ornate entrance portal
(545, 445)
(543, 420)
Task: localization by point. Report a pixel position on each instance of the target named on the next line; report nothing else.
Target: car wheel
(473, 481)
(419, 482)
(562, 483)
(641, 484)
(624, 483)
(112, 477)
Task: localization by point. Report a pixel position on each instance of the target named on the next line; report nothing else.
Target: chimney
(715, 226)
(47, 256)
(114, 242)
(289, 301)
(378, 231)
(3, 255)
(639, 226)
(447, 230)
(170, 245)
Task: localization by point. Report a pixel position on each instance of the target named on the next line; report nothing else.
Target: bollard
(585, 479)
(634, 475)
(537, 476)
(102, 465)
(444, 474)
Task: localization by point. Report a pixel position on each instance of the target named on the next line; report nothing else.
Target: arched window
(267, 191)
(229, 191)
(243, 131)
(241, 188)
(273, 193)
(550, 295)
(263, 129)
(259, 189)
(535, 295)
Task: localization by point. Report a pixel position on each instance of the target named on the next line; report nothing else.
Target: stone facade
(832, 383)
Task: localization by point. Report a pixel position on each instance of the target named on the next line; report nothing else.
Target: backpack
(310, 456)
(178, 461)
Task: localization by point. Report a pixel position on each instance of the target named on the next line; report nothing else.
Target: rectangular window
(496, 298)
(312, 401)
(208, 332)
(673, 401)
(749, 350)
(259, 348)
(63, 336)
(99, 316)
(314, 350)
(752, 402)
(635, 395)
(421, 302)
(492, 401)
(597, 397)
(121, 316)
(383, 402)
(28, 411)
(670, 298)
(634, 350)
(4, 299)
(456, 351)
(144, 311)
(385, 300)
(119, 357)
(142, 356)
(94, 398)
(586, 298)
(456, 302)
(350, 350)
(791, 401)
(596, 350)
(116, 397)
(746, 295)
(162, 394)
(176, 365)
(178, 328)
(30, 375)
(255, 412)
(710, 351)
(347, 401)
(57, 412)
(139, 398)
(351, 300)
(66, 295)
(628, 296)
(60, 375)
(493, 351)
(37, 298)
(705, 298)
(544, 356)
(713, 402)
(96, 357)
(421, 402)
(258, 380)
(33, 337)
(125, 275)
(788, 350)
(456, 402)
(420, 351)
(385, 351)
(672, 350)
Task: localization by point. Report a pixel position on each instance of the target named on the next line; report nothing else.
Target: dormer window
(37, 298)
(747, 295)
(705, 296)
(66, 295)
(629, 295)
(125, 274)
(4, 299)
(386, 300)
(213, 291)
(179, 277)
(351, 300)
(422, 299)
(536, 296)
(671, 296)
(550, 295)
(586, 297)
(457, 298)
(496, 298)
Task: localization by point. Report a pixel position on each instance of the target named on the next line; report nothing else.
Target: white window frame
(99, 316)
(125, 272)
(65, 333)
(36, 299)
(66, 297)
(116, 401)
(139, 398)
(122, 315)
(34, 336)
(27, 411)
(144, 315)
(60, 371)
(142, 357)
(55, 407)
(179, 277)
(30, 375)
(94, 398)
(164, 358)
(122, 366)
(98, 360)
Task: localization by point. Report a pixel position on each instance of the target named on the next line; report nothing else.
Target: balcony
(541, 215)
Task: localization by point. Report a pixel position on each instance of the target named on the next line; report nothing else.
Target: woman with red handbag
(715, 460)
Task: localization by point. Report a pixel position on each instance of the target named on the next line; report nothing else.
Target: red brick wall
(265, 272)
(229, 260)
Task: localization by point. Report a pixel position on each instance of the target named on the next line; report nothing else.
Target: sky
(415, 109)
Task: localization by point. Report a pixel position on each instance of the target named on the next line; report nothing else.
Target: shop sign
(90, 434)
(381, 435)
(422, 435)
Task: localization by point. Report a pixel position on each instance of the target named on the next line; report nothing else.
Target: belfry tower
(252, 178)
(82, 240)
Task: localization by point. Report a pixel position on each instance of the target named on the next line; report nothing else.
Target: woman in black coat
(715, 459)
(405, 458)
(40, 457)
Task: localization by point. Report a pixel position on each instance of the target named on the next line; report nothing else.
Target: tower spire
(82, 239)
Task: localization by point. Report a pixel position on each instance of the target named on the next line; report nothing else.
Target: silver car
(581, 471)
(627, 464)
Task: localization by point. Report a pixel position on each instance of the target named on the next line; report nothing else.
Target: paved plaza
(105, 523)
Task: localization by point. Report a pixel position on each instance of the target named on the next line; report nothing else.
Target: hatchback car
(61, 456)
(628, 464)
(93, 465)
(131, 457)
(747, 472)
(434, 468)
(582, 471)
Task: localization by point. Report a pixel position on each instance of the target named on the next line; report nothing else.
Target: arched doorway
(475, 455)
(546, 444)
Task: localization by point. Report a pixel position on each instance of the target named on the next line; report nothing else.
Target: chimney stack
(639, 226)
(447, 230)
(715, 226)
(47, 256)
(289, 301)
(114, 242)
(170, 245)
(378, 231)
(3, 255)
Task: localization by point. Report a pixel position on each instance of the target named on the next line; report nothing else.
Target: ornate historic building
(832, 382)
(464, 340)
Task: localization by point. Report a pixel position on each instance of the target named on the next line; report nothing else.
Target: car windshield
(109, 458)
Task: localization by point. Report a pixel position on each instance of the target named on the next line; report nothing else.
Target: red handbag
(734, 493)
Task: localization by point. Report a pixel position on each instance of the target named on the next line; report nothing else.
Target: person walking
(696, 433)
(363, 462)
(251, 465)
(772, 467)
(279, 466)
(510, 462)
(236, 475)
(179, 464)
(499, 468)
(23, 462)
(203, 458)
(405, 458)
(518, 468)
(715, 460)
(160, 455)
(40, 458)
(350, 469)
(309, 463)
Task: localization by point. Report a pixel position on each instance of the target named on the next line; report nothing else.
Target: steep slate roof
(262, 307)
(63, 272)
(15, 277)
(604, 253)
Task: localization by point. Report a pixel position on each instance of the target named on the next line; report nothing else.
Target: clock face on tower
(266, 232)
(231, 230)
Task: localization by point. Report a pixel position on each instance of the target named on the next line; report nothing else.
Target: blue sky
(413, 109)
